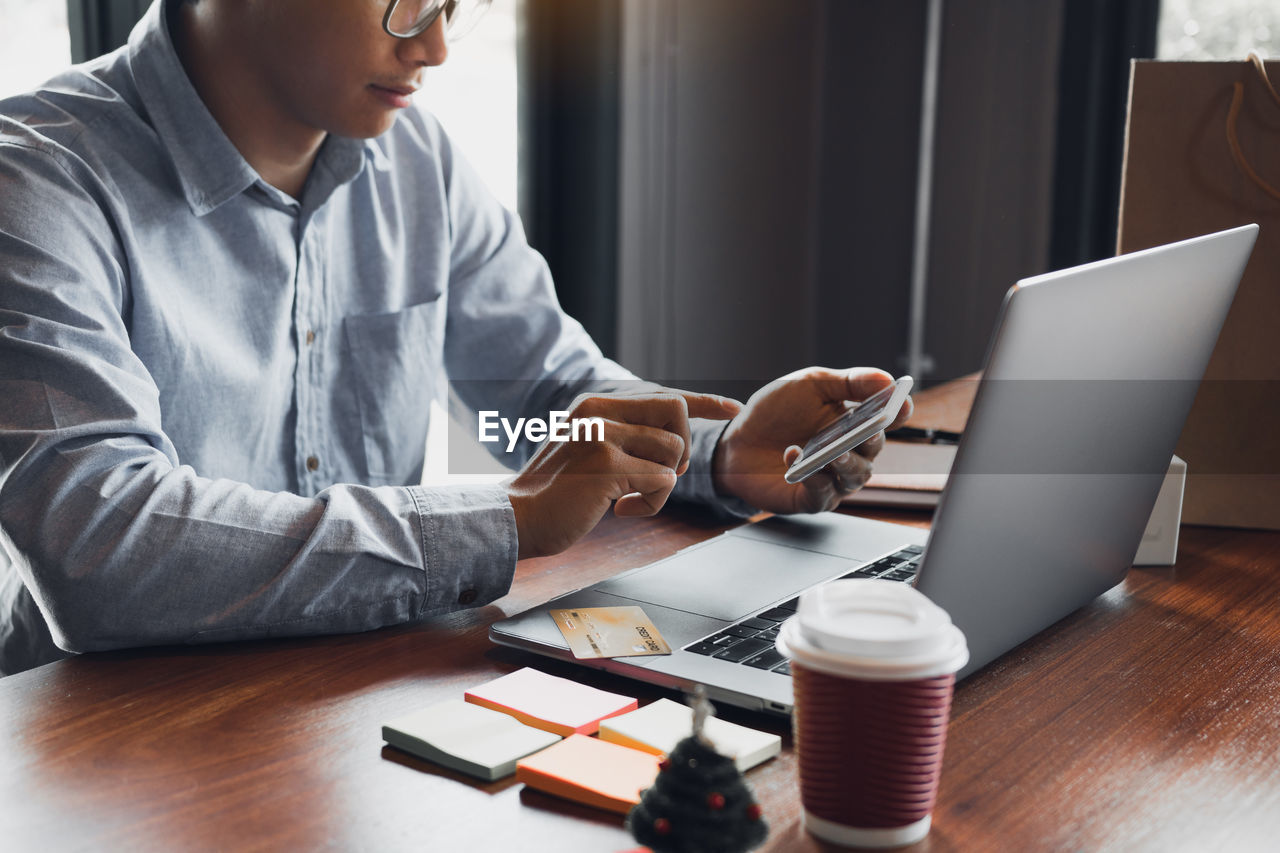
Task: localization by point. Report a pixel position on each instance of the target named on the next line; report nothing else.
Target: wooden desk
(1148, 720)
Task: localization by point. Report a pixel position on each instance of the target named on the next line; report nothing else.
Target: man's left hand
(763, 441)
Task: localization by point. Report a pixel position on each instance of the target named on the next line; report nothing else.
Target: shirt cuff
(469, 545)
(697, 484)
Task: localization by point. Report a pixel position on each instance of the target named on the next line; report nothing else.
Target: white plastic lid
(874, 629)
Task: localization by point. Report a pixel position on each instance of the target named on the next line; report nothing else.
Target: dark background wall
(791, 146)
(100, 26)
(569, 123)
(993, 174)
(870, 127)
(720, 187)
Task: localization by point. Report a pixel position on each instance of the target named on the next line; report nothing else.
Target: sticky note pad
(590, 771)
(659, 726)
(551, 703)
(467, 738)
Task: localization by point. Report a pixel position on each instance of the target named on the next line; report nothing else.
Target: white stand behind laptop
(1089, 377)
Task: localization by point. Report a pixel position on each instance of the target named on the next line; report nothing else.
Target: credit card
(609, 632)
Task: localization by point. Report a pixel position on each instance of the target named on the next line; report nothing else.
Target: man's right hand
(567, 486)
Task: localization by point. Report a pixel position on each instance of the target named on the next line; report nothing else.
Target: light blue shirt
(214, 398)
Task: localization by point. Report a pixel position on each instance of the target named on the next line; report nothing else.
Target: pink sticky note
(550, 703)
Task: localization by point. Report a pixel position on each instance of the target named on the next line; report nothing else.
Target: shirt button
(312, 463)
(311, 337)
(467, 596)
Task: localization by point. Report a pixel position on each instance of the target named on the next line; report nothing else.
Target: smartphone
(855, 426)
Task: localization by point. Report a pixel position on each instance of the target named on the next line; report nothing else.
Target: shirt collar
(210, 168)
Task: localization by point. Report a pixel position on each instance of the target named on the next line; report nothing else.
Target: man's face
(329, 64)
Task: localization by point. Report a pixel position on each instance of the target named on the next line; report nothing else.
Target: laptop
(1089, 376)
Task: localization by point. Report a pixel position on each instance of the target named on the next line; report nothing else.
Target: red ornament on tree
(662, 826)
(754, 812)
(715, 801)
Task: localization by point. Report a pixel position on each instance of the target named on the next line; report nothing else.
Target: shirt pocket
(395, 360)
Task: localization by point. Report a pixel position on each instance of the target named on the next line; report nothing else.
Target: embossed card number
(609, 632)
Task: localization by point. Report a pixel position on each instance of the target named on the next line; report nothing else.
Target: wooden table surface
(1149, 720)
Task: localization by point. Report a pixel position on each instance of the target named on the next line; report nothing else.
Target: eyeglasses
(407, 18)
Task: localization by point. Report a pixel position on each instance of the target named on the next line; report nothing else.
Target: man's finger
(648, 488)
(710, 406)
(651, 443)
(871, 448)
(698, 405)
(849, 472)
(904, 414)
(819, 493)
(664, 410)
(854, 384)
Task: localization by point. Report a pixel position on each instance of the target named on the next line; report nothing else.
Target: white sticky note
(467, 738)
(659, 726)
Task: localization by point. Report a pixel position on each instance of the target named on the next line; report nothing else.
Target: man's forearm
(136, 555)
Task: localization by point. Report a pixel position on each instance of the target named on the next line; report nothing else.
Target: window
(34, 43)
(474, 96)
(1218, 29)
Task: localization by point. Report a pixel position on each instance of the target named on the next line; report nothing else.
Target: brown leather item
(1203, 154)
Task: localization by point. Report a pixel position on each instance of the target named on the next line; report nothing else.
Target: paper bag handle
(1233, 116)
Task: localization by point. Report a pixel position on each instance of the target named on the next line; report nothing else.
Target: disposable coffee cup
(873, 667)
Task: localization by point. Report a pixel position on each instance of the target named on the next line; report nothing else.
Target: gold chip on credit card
(609, 632)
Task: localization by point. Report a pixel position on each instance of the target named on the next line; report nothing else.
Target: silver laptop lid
(1089, 377)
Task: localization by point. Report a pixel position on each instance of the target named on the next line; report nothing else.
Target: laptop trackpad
(727, 578)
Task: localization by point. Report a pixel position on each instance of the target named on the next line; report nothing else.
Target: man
(234, 270)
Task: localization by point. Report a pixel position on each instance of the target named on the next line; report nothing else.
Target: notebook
(1089, 376)
(909, 474)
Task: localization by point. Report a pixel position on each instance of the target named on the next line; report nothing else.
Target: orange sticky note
(550, 703)
(590, 771)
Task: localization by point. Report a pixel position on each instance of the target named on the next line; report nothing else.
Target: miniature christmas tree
(699, 803)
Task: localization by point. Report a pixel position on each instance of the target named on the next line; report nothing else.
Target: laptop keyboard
(750, 641)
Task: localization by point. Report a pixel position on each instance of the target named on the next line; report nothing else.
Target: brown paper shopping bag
(1202, 154)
